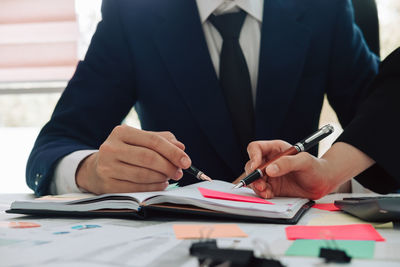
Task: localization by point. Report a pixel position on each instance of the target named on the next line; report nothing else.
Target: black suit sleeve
(375, 130)
(98, 97)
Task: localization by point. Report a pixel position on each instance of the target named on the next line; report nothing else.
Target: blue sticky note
(61, 233)
(85, 226)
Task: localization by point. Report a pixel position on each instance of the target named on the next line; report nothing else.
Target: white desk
(121, 242)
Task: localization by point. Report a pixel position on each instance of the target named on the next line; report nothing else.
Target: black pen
(197, 173)
(303, 145)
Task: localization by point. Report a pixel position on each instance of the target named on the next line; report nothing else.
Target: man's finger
(149, 159)
(137, 174)
(171, 137)
(154, 142)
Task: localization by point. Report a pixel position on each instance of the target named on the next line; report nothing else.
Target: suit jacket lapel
(180, 39)
(284, 43)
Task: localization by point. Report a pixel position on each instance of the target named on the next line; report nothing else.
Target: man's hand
(133, 160)
(304, 175)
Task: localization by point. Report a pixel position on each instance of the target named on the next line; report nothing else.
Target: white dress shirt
(250, 38)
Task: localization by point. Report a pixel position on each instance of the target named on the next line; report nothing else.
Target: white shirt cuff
(63, 181)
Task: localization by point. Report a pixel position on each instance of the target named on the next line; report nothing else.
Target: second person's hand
(301, 175)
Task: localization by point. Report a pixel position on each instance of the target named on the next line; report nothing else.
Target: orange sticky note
(203, 231)
(19, 224)
(233, 197)
(337, 232)
(326, 206)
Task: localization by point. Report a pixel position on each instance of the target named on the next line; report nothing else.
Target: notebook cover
(195, 213)
(165, 211)
(97, 214)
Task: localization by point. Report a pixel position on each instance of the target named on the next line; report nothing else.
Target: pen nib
(205, 177)
(239, 185)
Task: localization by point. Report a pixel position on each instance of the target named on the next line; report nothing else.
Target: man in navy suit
(165, 59)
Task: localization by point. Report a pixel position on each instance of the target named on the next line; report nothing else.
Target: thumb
(287, 164)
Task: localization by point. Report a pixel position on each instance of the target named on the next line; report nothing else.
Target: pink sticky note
(233, 197)
(337, 232)
(326, 206)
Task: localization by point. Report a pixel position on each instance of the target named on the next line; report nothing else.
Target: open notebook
(197, 199)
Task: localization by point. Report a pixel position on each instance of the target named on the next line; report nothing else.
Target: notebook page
(81, 202)
(84, 201)
(282, 208)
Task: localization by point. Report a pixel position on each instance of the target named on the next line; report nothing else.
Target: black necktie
(234, 76)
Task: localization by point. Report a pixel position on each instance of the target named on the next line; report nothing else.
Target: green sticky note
(172, 186)
(7, 242)
(309, 247)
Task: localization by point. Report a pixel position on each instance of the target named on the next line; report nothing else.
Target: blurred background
(41, 42)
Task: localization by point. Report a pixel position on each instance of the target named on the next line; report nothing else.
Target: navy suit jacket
(152, 54)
